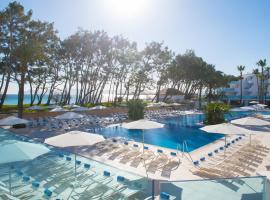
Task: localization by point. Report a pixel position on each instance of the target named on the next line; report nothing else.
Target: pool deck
(183, 171)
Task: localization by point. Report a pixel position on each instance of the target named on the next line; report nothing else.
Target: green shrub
(135, 109)
(107, 104)
(214, 113)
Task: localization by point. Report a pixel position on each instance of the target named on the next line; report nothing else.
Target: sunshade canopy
(266, 117)
(98, 108)
(71, 106)
(10, 121)
(74, 138)
(254, 102)
(35, 108)
(261, 105)
(58, 110)
(142, 124)
(14, 151)
(70, 115)
(251, 108)
(80, 109)
(237, 110)
(53, 106)
(225, 128)
(250, 121)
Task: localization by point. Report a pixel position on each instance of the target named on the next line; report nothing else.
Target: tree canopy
(89, 64)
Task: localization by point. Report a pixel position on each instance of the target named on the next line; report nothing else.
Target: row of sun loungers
(165, 113)
(238, 161)
(52, 124)
(56, 181)
(133, 156)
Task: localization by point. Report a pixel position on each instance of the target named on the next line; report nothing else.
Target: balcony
(248, 85)
(229, 89)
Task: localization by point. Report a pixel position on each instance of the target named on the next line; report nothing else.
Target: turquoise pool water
(176, 131)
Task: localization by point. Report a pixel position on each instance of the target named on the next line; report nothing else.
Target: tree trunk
(3, 97)
(158, 93)
(21, 95)
(2, 82)
(200, 96)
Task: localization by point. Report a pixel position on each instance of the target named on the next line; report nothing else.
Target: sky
(225, 33)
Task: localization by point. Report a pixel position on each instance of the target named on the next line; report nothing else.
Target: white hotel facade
(249, 89)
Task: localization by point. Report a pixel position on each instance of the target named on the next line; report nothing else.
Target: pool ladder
(184, 149)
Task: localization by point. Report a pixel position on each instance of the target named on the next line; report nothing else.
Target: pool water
(177, 130)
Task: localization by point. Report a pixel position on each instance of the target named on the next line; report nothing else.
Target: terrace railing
(240, 188)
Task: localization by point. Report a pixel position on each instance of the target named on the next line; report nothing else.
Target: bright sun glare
(127, 8)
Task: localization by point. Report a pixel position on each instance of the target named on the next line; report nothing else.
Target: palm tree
(267, 69)
(257, 74)
(262, 64)
(241, 68)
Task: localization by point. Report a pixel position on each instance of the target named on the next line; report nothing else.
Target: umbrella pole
(249, 139)
(225, 146)
(75, 166)
(143, 153)
(9, 175)
(143, 141)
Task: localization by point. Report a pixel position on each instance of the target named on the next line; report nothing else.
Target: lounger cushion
(173, 154)
(35, 184)
(87, 166)
(68, 158)
(61, 155)
(19, 172)
(78, 162)
(120, 178)
(48, 192)
(106, 173)
(164, 195)
(202, 159)
(196, 162)
(26, 178)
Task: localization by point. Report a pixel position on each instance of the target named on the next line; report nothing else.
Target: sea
(12, 99)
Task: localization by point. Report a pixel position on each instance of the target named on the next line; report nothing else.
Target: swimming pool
(177, 130)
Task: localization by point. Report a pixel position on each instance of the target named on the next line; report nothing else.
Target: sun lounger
(252, 163)
(250, 157)
(220, 172)
(122, 151)
(156, 164)
(137, 160)
(129, 156)
(234, 168)
(169, 167)
(241, 164)
(205, 174)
